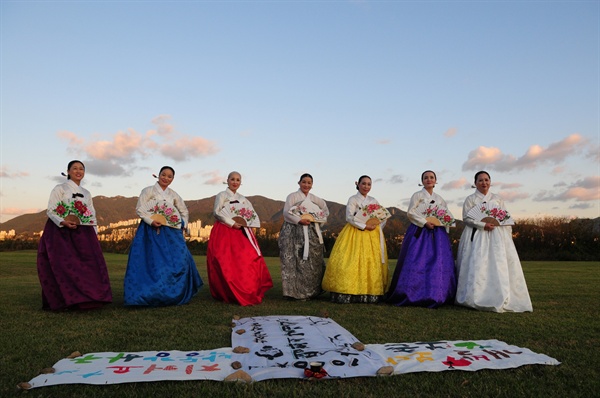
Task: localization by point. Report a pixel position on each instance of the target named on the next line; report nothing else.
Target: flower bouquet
(242, 213)
(494, 215)
(372, 214)
(309, 211)
(165, 215)
(75, 211)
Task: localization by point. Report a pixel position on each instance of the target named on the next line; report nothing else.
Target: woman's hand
(156, 224)
(429, 225)
(68, 224)
(370, 227)
(304, 221)
(236, 226)
(489, 227)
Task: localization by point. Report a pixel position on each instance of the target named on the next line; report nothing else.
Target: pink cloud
(124, 147)
(188, 147)
(507, 185)
(456, 184)
(214, 178)
(17, 211)
(451, 132)
(5, 172)
(493, 158)
(512, 196)
(587, 189)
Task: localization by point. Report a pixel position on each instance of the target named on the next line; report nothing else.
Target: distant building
(7, 235)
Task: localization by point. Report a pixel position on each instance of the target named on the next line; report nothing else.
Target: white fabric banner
(134, 367)
(283, 347)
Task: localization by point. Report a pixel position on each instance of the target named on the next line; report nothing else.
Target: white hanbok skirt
(490, 277)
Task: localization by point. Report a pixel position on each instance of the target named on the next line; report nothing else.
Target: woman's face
(234, 181)
(165, 178)
(364, 186)
(429, 180)
(76, 172)
(305, 185)
(483, 183)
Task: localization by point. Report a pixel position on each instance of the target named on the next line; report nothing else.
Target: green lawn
(564, 325)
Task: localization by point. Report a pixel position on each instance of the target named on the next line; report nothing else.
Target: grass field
(564, 325)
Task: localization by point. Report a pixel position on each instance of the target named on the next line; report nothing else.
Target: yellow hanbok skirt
(355, 264)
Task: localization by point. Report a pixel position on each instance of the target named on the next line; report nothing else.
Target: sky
(274, 89)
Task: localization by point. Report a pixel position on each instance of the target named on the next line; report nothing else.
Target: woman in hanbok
(425, 273)
(160, 270)
(237, 272)
(70, 264)
(301, 242)
(490, 277)
(357, 270)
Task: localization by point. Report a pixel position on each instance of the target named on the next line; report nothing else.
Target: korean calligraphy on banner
(283, 347)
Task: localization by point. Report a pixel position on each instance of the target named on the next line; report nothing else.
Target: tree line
(536, 239)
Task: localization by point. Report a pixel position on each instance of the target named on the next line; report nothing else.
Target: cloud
(456, 184)
(581, 206)
(512, 196)
(396, 179)
(587, 189)
(188, 147)
(214, 178)
(125, 147)
(106, 168)
(558, 170)
(163, 129)
(507, 185)
(451, 132)
(5, 172)
(593, 153)
(493, 158)
(17, 211)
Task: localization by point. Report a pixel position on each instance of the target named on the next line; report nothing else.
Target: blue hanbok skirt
(425, 274)
(160, 269)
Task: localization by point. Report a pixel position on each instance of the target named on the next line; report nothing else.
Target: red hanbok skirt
(237, 272)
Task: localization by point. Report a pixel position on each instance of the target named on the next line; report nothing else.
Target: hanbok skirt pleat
(490, 277)
(300, 278)
(237, 273)
(425, 273)
(72, 269)
(355, 267)
(160, 270)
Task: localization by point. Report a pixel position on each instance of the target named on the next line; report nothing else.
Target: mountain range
(114, 209)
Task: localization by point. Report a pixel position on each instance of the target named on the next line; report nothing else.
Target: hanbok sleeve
(179, 204)
(352, 208)
(413, 214)
(143, 205)
(289, 203)
(220, 201)
(56, 196)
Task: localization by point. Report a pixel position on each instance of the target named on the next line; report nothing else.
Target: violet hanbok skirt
(72, 269)
(425, 274)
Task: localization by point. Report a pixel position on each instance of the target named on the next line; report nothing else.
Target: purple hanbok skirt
(425, 275)
(72, 269)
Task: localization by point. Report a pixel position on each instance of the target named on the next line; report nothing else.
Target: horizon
(276, 89)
